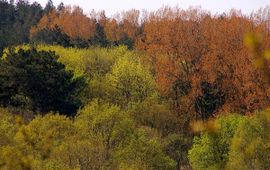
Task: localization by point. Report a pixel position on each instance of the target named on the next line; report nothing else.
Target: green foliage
(34, 144)
(155, 113)
(107, 127)
(38, 80)
(101, 136)
(145, 153)
(250, 147)
(123, 122)
(129, 81)
(239, 143)
(176, 146)
(106, 122)
(202, 155)
(210, 150)
(113, 74)
(120, 143)
(7, 127)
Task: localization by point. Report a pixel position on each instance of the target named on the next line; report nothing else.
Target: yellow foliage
(261, 56)
(211, 126)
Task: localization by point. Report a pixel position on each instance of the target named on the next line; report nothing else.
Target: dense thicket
(107, 132)
(139, 80)
(234, 142)
(199, 60)
(37, 81)
(16, 21)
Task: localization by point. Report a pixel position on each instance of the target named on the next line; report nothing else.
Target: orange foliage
(71, 21)
(186, 49)
(212, 48)
(126, 24)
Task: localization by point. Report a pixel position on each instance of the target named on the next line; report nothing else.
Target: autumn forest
(140, 90)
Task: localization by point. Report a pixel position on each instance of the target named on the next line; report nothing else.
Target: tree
(129, 81)
(154, 113)
(35, 144)
(123, 29)
(27, 15)
(211, 149)
(7, 18)
(72, 22)
(210, 101)
(7, 127)
(187, 48)
(100, 37)
(108, 125)
(49, 7)
(120, 143)
(16, 21)
(250, 144)
(233, 142)
(53, 36)
(37, 79)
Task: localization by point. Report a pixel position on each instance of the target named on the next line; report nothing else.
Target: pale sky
(113, 6)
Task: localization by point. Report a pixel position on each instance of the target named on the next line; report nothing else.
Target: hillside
(165, 89)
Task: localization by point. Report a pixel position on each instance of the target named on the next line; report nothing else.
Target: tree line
(133, 90)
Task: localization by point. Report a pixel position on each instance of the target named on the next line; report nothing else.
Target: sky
(113, 6)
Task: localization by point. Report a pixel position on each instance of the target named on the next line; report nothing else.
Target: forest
(170, 89)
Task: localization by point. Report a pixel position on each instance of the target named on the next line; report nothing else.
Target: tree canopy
(35, 79)
(164, 89)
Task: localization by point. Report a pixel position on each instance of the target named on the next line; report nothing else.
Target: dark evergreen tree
(26, 16)
(16, 21)
(211, 99)
(7, 18)
(79, 43)
(53, 37)
(49, 7)
(29, 77)
(127, 41)
(60, 7)
(100, 37)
